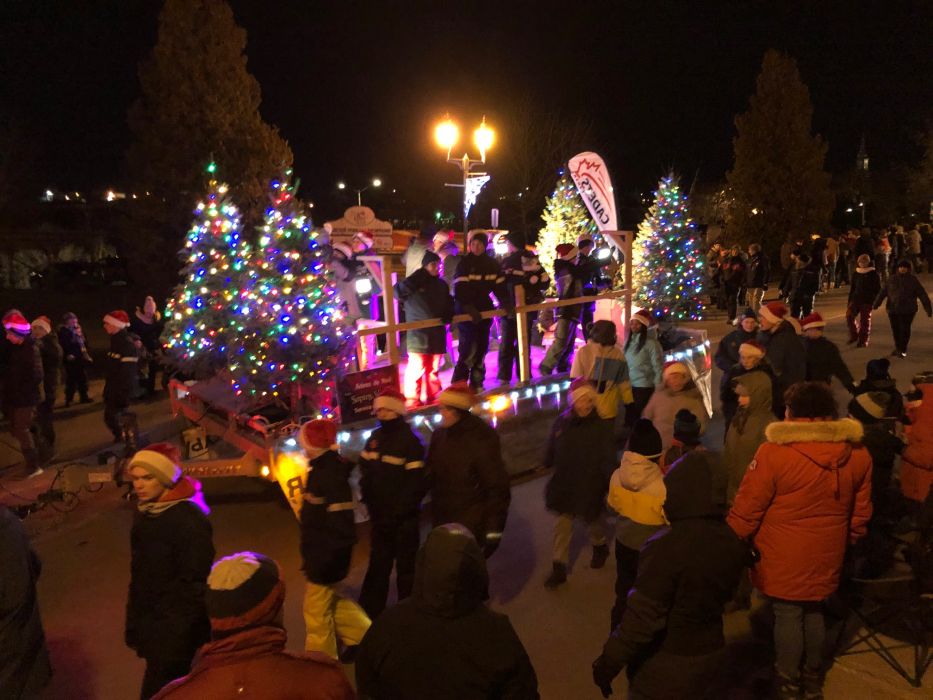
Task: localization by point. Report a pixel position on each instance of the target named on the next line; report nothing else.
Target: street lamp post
(359, 192)
(446, 134)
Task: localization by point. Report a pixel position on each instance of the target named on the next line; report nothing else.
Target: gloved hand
(603, 675)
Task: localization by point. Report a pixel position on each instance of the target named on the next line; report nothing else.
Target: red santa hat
(43, 323)
(344, 249)
(162, 460)
(365, 238)
(643, 316)
(457, 395)
(773, 311)
(441, 237)
(674, 367)
(15, 321)
(753, 348)
(318, 435)
(580, 388)
(814, 320)
(118, 318)
(566, 251)
(392, 399)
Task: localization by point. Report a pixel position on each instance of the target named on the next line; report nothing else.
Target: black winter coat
(786, 355)
(727, 353)
(476, 278)
(824, 362)
(902, 292)
(442, 642)
(22, 374)
(51, 353)
(863, 246)
(72, 343)
(733, 274)
(865, 287)
(328, 531)
(535, 282)
(148, 332)
(805, 281)
(883, 446)
(889, 387)
(120, 370)
(758, 272)
(426, 296)
(393, 481)
(24, 658)
(172, 552)
(569, 286)
(583, 454)
(686, 575)
(469, 482)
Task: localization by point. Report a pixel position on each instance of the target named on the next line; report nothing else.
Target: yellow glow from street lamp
(341, 185)
(446, 134)
(377, 182)
(484, 138)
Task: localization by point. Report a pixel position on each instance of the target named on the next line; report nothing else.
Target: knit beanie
(457, 395)
(429, 257)
(392, 399)
(643, 316)
(750, 313)
(675, 367)
(869, 407)
(118, 318)
(878, 368)
(15, 322)
(161, 460)
(244, 590)
(686, 427)
(584, 239)
(753, 348)
(580, 388)
(42, 323)
(812, 321)
(773, 311)
(318, 435)
(645, 439)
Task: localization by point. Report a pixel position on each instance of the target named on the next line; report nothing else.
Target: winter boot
(557, 577)
(600, 555)
(784, 688)
(812, 684)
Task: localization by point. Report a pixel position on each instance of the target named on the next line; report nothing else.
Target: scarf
(864, 269)
(186, 490)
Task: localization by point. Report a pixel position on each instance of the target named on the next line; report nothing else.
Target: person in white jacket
(678, 392)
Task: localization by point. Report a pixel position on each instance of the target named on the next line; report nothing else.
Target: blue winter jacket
(645, 365)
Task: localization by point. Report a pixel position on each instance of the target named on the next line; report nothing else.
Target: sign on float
(591, 176)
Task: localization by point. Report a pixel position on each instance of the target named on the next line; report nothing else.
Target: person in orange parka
(917, 458)
(806, 493)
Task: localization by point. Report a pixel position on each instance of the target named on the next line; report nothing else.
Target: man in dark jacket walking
(172, 548)
(569, 286)
(24, 658)
(864, 289)
(785, 351)
(76, 357)
(671, 632)
(805, 283)
(823, 359)
(727, 352)
(469, 483)
(477, 277)
(51, 353)
(328, 534)
(22, 376)
(120, 371)
(393, 485)
(733, 280)
(902, 290)
(425, 296)
(443, 642)
(757, 277)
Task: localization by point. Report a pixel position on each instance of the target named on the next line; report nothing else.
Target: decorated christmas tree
(667, 261)
(290, 330)
(565, 219)
(197, 321)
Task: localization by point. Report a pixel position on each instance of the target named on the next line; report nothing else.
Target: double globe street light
(446, 135)
(359, 192)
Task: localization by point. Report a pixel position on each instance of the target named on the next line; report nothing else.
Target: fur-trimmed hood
(786, 432)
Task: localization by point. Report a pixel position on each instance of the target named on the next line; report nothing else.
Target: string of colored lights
(668, 264)
(287, 317)
(197, 323)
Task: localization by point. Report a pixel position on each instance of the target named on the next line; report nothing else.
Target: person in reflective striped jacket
(328, 534)
(393, 484)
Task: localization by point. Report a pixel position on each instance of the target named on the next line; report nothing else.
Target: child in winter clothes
(746, 432)
(866, 285)
(877, 378)
(582, 452)
(636, 493)
(686, 438)
(678, 392)
(751, 359)
(823, 358)
(869, 409)
(645, 360)
(603, 363)
(328, 534)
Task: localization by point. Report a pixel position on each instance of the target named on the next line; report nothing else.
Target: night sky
(356, 86)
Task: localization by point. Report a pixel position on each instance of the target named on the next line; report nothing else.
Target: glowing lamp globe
(446, 134)
(484, 138)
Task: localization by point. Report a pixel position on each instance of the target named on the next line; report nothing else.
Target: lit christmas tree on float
(565, 219)
(289, 325)
(667, 264)
(197, 318)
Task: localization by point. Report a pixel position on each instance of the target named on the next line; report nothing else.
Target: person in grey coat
(747, 429)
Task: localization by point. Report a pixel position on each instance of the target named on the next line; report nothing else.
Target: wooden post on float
(524, 342)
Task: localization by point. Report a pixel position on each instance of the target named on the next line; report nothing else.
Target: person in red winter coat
(917, 459)
(806, 494)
